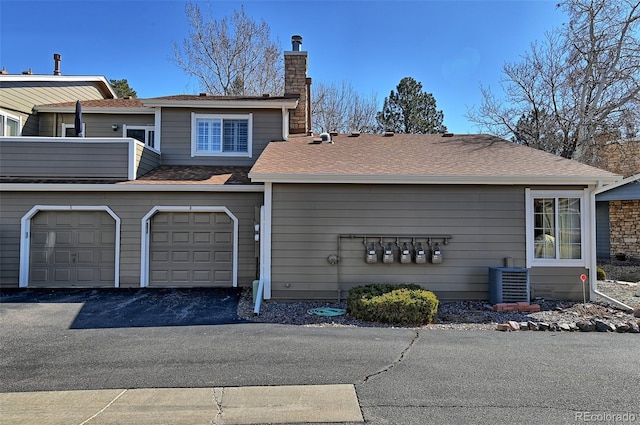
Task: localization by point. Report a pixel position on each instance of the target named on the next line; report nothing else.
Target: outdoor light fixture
(114, 127)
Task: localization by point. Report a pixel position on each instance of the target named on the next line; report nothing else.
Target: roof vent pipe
(296, 42)
(56, 62)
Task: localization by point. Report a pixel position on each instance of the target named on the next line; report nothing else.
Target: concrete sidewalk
(185, 406)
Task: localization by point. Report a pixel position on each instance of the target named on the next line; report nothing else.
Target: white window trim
(530, 195)
(4, 116)
(25, 239)
(65, 126)
(147, 128)
(145, 226)
(248, 117)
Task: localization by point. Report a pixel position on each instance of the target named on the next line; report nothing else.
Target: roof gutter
(426, 179)
(128, 187)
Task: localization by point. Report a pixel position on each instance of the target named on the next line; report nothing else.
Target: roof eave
(128, 187)
(68, 78)
(613, 185)
(235, 104)
(94, 110)
(431, 179)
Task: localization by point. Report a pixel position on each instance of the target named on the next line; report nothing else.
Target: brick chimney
(296, 83)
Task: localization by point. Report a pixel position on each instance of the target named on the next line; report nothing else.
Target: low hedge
(404, 304)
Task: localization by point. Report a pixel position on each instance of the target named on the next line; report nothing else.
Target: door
(72, 249)
(191, 249)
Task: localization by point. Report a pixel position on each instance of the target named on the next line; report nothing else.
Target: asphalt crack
(104, 408)
(396, 361)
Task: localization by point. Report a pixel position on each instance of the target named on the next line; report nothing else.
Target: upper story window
(69, 130)
(9, 124)
(555, 223)
(221, 135)
(144, 133)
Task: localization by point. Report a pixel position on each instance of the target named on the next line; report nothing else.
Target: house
(223, 191)
(19, 93)
(618, 220)
(618, 205)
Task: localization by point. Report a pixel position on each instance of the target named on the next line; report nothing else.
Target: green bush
(404, 304)
(600, 273)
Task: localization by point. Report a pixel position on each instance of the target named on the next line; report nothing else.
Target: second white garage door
(191, 249)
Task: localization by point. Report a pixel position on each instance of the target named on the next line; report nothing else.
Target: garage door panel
(72, 248)
(86, 237)
(84, 275)
(202, 256)
(202, 237)
(198, 244)
(180, 256)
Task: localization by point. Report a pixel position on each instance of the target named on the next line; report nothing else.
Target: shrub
(404, 304)
(600, 273)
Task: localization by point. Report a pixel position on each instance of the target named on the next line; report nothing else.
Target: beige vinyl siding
(75, 159)
(22, 96)
(130, 207)
(176, 136)
(146, 160)
(96, 125)
(487, 224)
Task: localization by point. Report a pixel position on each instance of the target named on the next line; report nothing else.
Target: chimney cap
(296, 42)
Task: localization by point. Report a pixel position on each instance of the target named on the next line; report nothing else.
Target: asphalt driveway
(125, 308)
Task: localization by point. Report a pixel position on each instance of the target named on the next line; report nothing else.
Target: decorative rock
(554, 326)
(504, 327)
(543, 326)
(524, 326)
(636, 312)
(513, 325)
(634, 328)
(586, 326)
(532, 326)
(604, 327)
(565, 327)
(622, 327)
(573, 327)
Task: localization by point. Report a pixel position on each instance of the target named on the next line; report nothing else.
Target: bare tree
(581, 83)
(338, 107)
(231, 56)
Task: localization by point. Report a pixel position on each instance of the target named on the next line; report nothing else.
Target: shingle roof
(194, 174)
(417, 158)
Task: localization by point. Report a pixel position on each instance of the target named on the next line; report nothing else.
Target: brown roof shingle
(415, 156)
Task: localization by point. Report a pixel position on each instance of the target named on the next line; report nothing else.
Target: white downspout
(260, 291)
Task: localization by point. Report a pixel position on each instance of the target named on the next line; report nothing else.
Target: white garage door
(191, 249)
(72, 249)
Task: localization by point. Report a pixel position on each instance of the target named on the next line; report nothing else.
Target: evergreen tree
(122, 89)
(410, 110)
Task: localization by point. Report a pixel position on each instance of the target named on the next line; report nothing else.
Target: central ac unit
(508, 285)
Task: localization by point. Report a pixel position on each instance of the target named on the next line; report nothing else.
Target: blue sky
(450, 46)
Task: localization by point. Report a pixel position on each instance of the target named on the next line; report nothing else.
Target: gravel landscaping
(479, 315)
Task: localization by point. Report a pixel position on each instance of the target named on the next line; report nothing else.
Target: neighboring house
(618, 220)
(20, 93)
(226, 190)
(618, 206)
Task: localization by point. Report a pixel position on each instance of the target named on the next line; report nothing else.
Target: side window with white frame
(555, 226)
(69, 130)
(143, 133)
(221, 135)
(9, 124)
